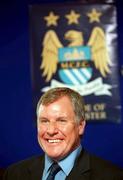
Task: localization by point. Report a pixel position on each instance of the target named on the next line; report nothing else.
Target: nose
(52, 128)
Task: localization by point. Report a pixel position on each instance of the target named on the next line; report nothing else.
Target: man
(60, 126)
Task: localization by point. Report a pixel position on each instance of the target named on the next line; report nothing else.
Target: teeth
(54, 140)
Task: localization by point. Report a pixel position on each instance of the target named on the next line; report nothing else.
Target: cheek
(40, 130)
(68, 131)
(74, 134)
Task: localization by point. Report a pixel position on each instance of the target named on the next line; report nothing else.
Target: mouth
(52, 141)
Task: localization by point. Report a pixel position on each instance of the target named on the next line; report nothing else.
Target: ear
(82, 125)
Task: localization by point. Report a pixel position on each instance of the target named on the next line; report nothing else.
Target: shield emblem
(75, 65)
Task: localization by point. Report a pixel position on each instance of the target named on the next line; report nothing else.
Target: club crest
(74, 64)
(53, 49)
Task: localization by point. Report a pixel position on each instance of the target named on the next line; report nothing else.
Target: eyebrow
(61, 117)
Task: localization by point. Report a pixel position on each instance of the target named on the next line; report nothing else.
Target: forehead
(63, 104)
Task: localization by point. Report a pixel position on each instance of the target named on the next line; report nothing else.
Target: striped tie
(55, 168)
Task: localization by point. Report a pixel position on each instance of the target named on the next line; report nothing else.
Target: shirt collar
(48, 163)
(66, 164)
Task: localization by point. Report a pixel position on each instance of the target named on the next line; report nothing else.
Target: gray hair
(54, 94)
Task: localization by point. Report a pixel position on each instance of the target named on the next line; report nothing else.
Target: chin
(55, 156)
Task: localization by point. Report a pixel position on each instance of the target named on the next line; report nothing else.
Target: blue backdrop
(17, 123)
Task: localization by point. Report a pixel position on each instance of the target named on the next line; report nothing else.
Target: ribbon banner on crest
(75, 45)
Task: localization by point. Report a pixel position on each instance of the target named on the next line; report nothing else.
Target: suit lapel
(81, 169)
(36, 169)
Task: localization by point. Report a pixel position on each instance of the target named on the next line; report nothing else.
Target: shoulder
(101, 163)
(106, 168)
(23, 168)
(27, 162)
(98, 167)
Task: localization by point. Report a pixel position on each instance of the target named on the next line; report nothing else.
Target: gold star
(51, 19)
(73, 17)
(94, 15)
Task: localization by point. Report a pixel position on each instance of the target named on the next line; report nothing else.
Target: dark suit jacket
(87, 167)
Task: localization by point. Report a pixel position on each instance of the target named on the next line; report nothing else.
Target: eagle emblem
(75, 59)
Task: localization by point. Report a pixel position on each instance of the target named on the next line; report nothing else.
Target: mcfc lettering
(74, 64)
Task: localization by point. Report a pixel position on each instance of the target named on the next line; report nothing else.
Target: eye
(62, 121)
(43, 121)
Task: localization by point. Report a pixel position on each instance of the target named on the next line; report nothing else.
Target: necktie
(55, 168)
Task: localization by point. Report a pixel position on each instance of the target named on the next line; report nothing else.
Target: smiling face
(58, 131)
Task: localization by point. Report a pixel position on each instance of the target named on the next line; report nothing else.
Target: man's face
(58, 131)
